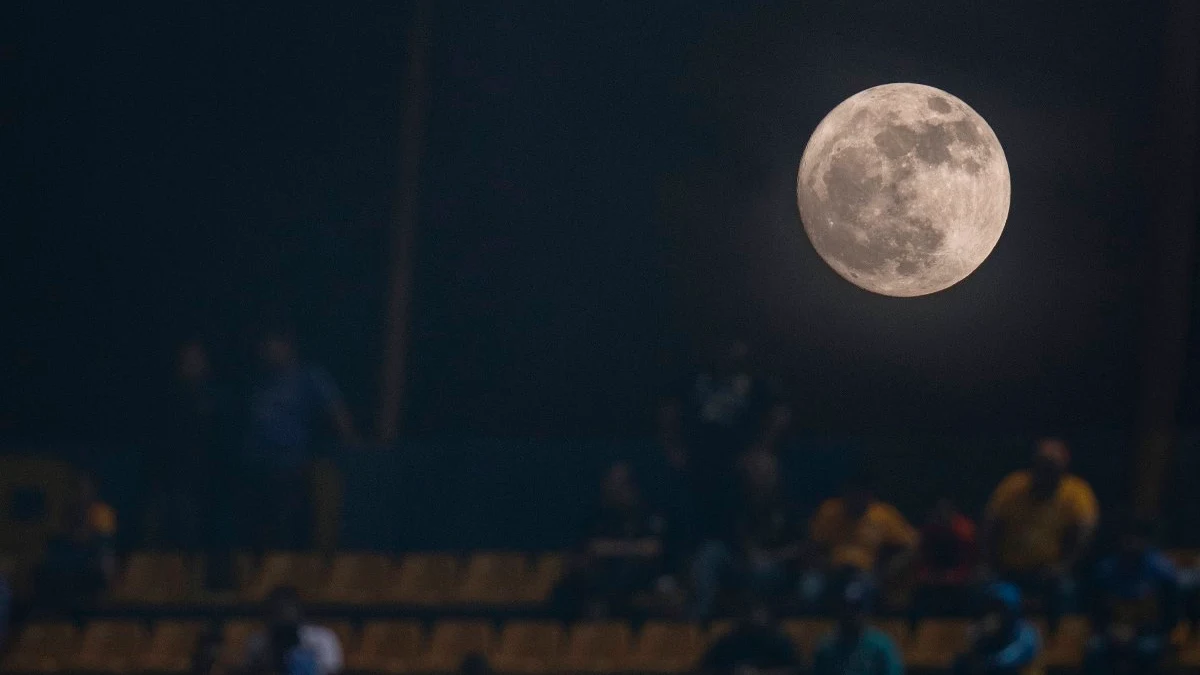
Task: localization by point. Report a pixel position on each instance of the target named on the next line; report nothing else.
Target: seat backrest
(153, 577)
(171, 645)
(597, 646)
(547, 571)
(353, 577)
(664, 646)
(403, 639)
(495, 578)
(110, 646)
(452, 641)
(305, 571)
(937, 642)
(43, 647)
(425, 579)
(533, 641)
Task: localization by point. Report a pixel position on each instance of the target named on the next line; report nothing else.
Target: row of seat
(429, 580)
(529, 647)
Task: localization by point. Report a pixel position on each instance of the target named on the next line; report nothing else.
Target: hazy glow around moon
(903, 189)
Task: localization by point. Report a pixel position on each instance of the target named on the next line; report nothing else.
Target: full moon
(903, 189)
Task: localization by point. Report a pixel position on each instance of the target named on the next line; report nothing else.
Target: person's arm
(670, 432)
(903, 538)
(329, 652)
(335, 405)
(991, 529)
(1020, 653)
(1078, 535)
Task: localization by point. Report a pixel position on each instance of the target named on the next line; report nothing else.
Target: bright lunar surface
(903, 189)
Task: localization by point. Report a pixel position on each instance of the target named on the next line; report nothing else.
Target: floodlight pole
(1172, 225)
(404, 226)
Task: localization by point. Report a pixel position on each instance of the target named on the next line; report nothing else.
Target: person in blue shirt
(1002, 642)
(854, 648)
(1136, 604)
(286, 406)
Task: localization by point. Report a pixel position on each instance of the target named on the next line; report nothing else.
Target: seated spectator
(755, 646)
(1037, 525)
(623, 553)
(80, 563)
(762, 541)
(946, 562)
(854, 648)
(288, 645)
(1136, 605)
(852, 535)
(1002, 642)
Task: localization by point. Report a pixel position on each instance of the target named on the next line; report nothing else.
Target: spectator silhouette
(761, 543)
(194, 459)
(80, 563)
(755, 646)
(1002, 641)
(623, 554)
(1037, 525)
(286, 405)
(710, 420)
(854, 648)
(1135, 605)
(289, 645)
(853, 535)
(946, 560)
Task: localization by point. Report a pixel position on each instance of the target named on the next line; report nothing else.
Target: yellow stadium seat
(494, 579)
(807, 633)
(545, 575)
(110, 647)
(453, 641)
(528, 647)
(937, 642)
(388, 647)
(664, 647)
(234, 636)
(153, 578)
(425, 580)
(356, 578)
(1188, 655)
(596, 647)
(304, 571)
(43, 648)
(1066, 646)
(170, 647)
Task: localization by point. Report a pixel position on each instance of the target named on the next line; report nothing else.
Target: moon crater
(903, 189)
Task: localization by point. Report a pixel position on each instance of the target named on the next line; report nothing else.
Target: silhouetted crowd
(746, 550)
(743, 549)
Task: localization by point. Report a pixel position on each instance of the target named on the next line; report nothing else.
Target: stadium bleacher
(154, 617)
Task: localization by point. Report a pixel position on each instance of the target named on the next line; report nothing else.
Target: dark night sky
(605, 183)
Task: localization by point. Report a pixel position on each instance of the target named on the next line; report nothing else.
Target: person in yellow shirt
(1037, 524)
(855, 534)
